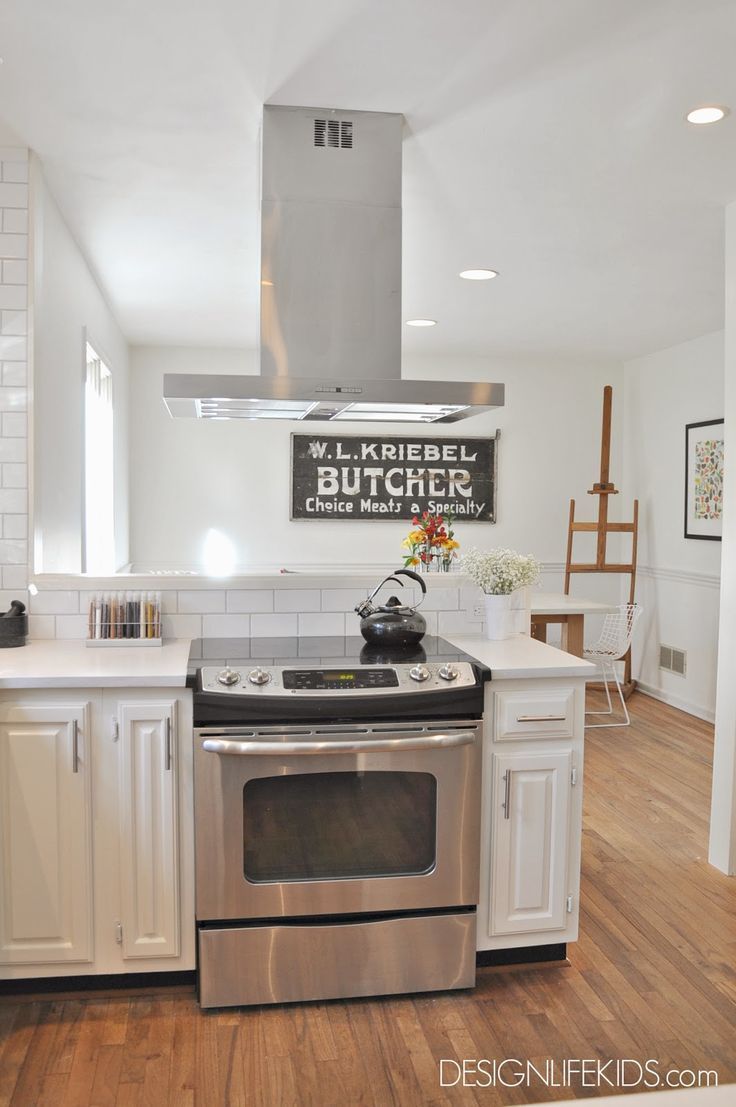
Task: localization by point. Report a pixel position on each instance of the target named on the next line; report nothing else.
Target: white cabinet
(531, 813)
(96, 832)
(45, 833)
(149, 859)
(531, 835)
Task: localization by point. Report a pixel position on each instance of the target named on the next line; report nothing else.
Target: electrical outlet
(478, 611)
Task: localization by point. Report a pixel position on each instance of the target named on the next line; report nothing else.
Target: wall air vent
(337, 133)
(673, 660)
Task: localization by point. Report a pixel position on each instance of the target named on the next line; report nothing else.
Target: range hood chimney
(330, 285)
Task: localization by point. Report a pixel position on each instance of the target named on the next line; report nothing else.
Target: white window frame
(98, 479)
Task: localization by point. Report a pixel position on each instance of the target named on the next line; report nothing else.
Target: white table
(570, 612)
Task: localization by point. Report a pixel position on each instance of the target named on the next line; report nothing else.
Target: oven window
(339, 826)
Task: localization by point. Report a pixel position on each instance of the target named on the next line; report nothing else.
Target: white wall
(68, 303)
(188, 476)
(678, 577)
(723, 811)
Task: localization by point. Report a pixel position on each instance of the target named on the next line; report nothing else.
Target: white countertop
(516, 658)
(63, 664)
(56, 663)
(557, 603)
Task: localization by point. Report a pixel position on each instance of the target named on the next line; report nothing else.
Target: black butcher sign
(390, 477)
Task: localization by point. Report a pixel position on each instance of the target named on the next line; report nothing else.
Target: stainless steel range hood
(330, 285)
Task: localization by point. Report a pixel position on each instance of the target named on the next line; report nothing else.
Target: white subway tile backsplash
(15, 271)
(341, 599)
(55, 603)
(13, 425)
(13, 194)
(13, 297)
(441, 599)
(13, 322)
(13, 551)
(249, 600)
(14, 501)
(13, 347)
(14, 476)
(297, 599)
(15, 576)
(201, 601)
(13, 246)
(15, 526)
(12, 449)
(273, 626)
(41, 626)
(181, 626)
(71, 626)
(455, 622)
(15, 220)
(14, 373)
(12, 399)
(14, 170)
(321, 622)
(226, 626)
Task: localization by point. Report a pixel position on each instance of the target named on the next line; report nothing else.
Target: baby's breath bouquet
(500, 572)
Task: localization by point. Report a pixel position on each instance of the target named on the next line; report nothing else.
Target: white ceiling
(544, 139)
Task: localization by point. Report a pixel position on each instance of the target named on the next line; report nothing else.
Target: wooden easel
(602, 528)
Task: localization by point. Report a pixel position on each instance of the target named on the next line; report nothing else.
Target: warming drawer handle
(380, 745)
(541, 718)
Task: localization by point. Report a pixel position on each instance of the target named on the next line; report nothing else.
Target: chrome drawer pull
(507, 795)
(381, 745)
(75, 746)
(541, 718)
(168, 745)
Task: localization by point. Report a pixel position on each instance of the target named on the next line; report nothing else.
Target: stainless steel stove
(337, 809)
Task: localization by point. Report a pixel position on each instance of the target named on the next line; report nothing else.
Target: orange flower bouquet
(431, 544)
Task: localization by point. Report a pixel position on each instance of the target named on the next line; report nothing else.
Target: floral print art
(708, 477)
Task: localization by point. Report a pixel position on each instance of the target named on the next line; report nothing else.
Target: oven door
(336, 820)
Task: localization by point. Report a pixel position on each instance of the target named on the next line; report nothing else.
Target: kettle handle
(414, 576)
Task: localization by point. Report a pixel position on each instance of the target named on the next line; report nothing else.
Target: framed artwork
(704, 480)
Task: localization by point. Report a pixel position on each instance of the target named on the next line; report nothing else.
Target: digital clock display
(315, 680)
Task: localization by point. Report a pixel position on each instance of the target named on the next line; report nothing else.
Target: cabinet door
(45, 834)
(531, 829)
(149, 829)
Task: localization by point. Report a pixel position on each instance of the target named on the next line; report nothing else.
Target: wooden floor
(653, 976)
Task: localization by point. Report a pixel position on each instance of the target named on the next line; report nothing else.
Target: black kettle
(392, 624)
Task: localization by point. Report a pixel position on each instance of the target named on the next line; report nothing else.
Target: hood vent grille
(337, 133)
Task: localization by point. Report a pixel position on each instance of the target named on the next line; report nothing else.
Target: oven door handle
(378, 745)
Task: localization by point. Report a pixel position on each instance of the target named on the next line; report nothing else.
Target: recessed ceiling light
(478, 274)
(709, 113)
(421, 322)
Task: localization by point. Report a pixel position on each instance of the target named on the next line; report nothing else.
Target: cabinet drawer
(534, 714)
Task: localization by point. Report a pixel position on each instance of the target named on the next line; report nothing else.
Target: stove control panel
(371, 680)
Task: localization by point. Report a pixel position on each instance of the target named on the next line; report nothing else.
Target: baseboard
(522, 955)
(67, 986)
(674, 701)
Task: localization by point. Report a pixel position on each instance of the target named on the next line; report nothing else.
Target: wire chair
(614, 642)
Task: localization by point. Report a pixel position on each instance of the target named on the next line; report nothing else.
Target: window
(99, 533)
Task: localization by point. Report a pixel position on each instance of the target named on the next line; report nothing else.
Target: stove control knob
(449, 672)
(228, 676)
(259, 676)
(419, 672)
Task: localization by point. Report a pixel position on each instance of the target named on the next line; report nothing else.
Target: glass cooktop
(337, 653)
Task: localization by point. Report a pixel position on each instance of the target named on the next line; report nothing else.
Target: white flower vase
(521, 606)
(500, 619)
